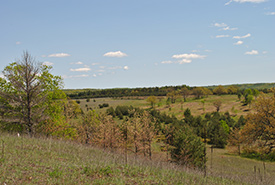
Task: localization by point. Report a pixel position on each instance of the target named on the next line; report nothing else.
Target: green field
(230, 103)
(25, 160)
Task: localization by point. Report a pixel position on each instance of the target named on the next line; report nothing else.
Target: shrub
(188, 149)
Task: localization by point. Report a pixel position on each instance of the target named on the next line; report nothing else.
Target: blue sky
(144, 43)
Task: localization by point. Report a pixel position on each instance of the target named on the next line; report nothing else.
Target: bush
(103, 105)
(188, 149)
(253, 152)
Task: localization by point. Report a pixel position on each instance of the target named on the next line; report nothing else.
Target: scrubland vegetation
(167, 135)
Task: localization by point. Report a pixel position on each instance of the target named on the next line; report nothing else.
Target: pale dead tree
(24, 92)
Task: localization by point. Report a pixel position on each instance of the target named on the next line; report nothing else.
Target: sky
(145, 43)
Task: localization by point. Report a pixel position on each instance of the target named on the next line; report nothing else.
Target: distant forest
(152, 91)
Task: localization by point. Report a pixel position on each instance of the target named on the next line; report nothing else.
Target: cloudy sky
(126, 43)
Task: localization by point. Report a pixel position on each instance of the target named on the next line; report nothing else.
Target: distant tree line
(122, 92)
(171, 91)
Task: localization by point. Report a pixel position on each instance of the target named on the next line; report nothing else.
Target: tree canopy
(260, 126)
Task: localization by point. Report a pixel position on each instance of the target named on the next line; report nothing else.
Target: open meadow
(230, 103)
(25, 160)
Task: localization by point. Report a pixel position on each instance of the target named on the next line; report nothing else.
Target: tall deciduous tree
(220, 90)
(185, 93)
(260, 126)
(217, 104)
(152, 100)
(25, 91)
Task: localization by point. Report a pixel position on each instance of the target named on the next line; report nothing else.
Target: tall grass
(27, 160)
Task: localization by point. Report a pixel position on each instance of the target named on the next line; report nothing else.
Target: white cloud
(265, 52)
(189, 56)
(94, 64)
(125, 67)
(242, 37)
(115, 54)
(75, 76)
(228, 3)
(184, 61)
(220, 25)
(79, 63)
(253, 52)
(115, 67)
(270, 13)
(18, 42)
(59, 55)
(82, 75)
(224, 27)
(167, 62)
(222, 36)
(47, 63)
(94, 75)
(249, 1)
(86, 69)
(238, 43)
(184, 58)
(228, 28)
(102, 67)
(246, 1)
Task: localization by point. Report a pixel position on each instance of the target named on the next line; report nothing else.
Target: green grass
(112, 103)
(27, 160)
(197, 108)
(230, 103)
(225, 164)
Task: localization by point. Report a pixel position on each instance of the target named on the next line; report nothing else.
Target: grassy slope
(26, 160)
(225, 164)
(230, 103)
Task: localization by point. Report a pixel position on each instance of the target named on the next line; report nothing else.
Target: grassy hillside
(46, 161)
(25, 160)
(230, 103)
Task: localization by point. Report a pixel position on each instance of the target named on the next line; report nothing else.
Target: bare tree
(24, 91)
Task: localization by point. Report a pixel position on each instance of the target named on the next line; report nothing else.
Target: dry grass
(237, 168)
(112, 103)
(230, 103)
(48, 161)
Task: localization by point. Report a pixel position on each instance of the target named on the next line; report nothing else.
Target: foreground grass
(26, 160)
(223, 164)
